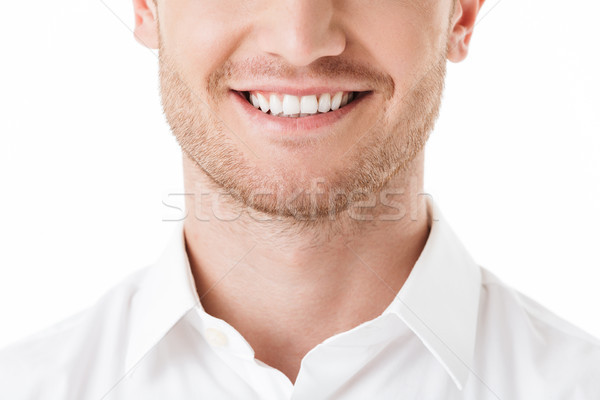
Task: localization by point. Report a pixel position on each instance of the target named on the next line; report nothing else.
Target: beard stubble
(384, 151)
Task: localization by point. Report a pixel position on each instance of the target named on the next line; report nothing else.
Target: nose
(300, 31)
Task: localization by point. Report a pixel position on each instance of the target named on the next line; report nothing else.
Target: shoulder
(523, 342)
(76, 358)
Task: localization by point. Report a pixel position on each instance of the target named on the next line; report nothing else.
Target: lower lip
(295, 126)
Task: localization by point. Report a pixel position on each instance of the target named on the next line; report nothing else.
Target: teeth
(336, 102)
(344, 100)
(325, 102)
(293, 106)
(275, 104)
(254, 100)
(264, 103)
(309, 104)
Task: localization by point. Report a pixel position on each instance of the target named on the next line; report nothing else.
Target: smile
(298, 113)
(291, 106)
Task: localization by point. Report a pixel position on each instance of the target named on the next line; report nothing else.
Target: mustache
(326, 68)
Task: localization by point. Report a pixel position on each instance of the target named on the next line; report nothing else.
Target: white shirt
(454, 331)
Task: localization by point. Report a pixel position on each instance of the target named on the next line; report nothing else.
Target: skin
(293, 241)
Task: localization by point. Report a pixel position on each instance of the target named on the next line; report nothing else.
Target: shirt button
(215, 337)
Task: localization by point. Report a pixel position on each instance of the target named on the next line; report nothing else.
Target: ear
(146, 23)
(462, 23)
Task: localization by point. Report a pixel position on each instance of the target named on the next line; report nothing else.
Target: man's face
(215, 53)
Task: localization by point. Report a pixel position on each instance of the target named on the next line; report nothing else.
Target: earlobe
(457, 46)
(461, 29)
(146, 23)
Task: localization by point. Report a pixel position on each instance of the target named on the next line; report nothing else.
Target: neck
(287, 286)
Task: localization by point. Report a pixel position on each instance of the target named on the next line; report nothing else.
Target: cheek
(403, 39)
(200, 36)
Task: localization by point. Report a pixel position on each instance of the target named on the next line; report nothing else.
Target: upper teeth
(287, 105)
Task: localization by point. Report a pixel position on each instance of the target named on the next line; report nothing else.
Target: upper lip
(301, 89)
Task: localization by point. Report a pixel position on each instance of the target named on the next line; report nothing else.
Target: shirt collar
(165, 293)
(439, 301)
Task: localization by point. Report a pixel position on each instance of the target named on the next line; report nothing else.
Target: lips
(297, 124)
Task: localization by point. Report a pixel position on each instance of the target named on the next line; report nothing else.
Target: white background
(86, 157)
